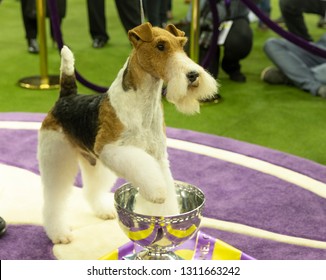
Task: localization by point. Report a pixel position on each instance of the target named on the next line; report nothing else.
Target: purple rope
(287, 35)
(211, 54)
(54, 17)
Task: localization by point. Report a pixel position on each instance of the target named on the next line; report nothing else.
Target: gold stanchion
(44, 81)
(194, 31)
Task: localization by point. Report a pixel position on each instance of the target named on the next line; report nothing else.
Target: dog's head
(154, 46)
(160, 52)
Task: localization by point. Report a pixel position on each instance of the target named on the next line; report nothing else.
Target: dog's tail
(68, 84)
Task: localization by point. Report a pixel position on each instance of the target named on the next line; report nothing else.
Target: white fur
(58, 167)
(96, 182)
(139, 155)
(67, 61)
(185, 97)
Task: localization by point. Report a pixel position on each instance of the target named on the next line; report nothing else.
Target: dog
(120, 133)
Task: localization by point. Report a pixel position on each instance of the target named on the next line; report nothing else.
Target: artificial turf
(280, 117)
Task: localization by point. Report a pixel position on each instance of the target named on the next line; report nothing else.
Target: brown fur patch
(110, 127)
(128, 80)
(50, 123)
(136, 72)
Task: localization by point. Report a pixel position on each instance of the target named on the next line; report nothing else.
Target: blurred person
(129, 13)
(157, 12)
(237, 44)
(29, 15)
(169, 12)
(321, 22)
(295, 66)
(293, 14)
(97, 23)
(265, 6)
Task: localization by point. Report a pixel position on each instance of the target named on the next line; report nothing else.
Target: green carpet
(279, 117)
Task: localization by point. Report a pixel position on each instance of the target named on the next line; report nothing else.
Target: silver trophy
(158, 235)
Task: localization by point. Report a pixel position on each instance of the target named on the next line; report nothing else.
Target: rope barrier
(285, 34)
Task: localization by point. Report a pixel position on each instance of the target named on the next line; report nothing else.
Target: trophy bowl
(158, 235)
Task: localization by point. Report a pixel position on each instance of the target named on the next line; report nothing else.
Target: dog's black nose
(192, 76)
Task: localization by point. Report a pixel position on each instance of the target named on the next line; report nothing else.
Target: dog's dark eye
(160, 46)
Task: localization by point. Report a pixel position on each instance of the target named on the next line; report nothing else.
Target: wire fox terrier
(119, 133)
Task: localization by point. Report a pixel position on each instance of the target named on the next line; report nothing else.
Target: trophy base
(37, 82)
(147, 255)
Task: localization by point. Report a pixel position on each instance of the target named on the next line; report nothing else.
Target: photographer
(235, 26)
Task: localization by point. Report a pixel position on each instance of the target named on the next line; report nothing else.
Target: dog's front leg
(137, 167)
(171, 204)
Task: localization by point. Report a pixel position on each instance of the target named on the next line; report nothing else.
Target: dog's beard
(181, 96)
(186, 96)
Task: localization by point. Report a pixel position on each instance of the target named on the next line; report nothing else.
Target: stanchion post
(44, 81)
(40, 9)
(194, 31)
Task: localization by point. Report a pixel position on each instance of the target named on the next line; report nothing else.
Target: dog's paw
(104, 208)
(106, 213)
(60, 236)
(157, 195)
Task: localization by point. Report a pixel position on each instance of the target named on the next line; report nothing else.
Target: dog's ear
(178, 33)
(175, 31)
(142, 32)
